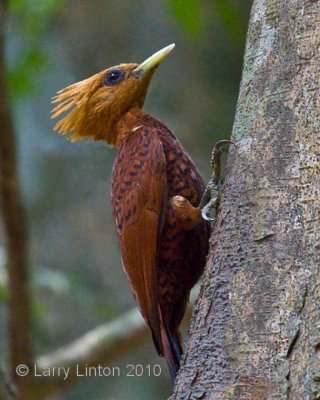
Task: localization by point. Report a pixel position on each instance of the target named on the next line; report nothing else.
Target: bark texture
(256, 327)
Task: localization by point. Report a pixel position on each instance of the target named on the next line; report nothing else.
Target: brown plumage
(155, 191)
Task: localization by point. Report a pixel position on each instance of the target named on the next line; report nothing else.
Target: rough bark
(256, 327)
(13, 217)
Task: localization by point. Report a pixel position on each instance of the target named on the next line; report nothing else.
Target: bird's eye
(113, 77)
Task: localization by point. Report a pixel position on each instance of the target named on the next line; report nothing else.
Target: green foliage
(35, 14)
(3, 292)
(229, 14)
(31, 19)
(189, 15)
(22, 76)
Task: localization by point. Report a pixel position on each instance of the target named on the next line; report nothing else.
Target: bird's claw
(209, 199)
(206, 210)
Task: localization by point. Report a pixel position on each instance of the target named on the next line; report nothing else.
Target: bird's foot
(210, 198)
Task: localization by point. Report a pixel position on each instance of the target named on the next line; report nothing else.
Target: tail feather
(156, 343)
(172, 349)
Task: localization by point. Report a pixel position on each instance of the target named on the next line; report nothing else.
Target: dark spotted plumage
(148, 158)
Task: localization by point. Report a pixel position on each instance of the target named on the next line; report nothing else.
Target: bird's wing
(139, 193)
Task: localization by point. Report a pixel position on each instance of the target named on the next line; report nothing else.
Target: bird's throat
(128, 124)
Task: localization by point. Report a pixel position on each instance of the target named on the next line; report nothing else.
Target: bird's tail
(172, 349)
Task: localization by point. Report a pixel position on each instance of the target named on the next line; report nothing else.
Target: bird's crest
(74, 100)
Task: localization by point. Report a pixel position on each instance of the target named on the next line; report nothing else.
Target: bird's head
(95, 105)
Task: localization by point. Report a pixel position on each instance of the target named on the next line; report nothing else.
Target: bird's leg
(183, 212)
(210, 198)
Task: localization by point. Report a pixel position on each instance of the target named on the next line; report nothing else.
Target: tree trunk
(14, 223)
(256, 327)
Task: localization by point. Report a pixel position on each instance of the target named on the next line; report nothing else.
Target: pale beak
(152, 62)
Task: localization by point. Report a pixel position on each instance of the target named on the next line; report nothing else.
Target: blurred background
(76, 275)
